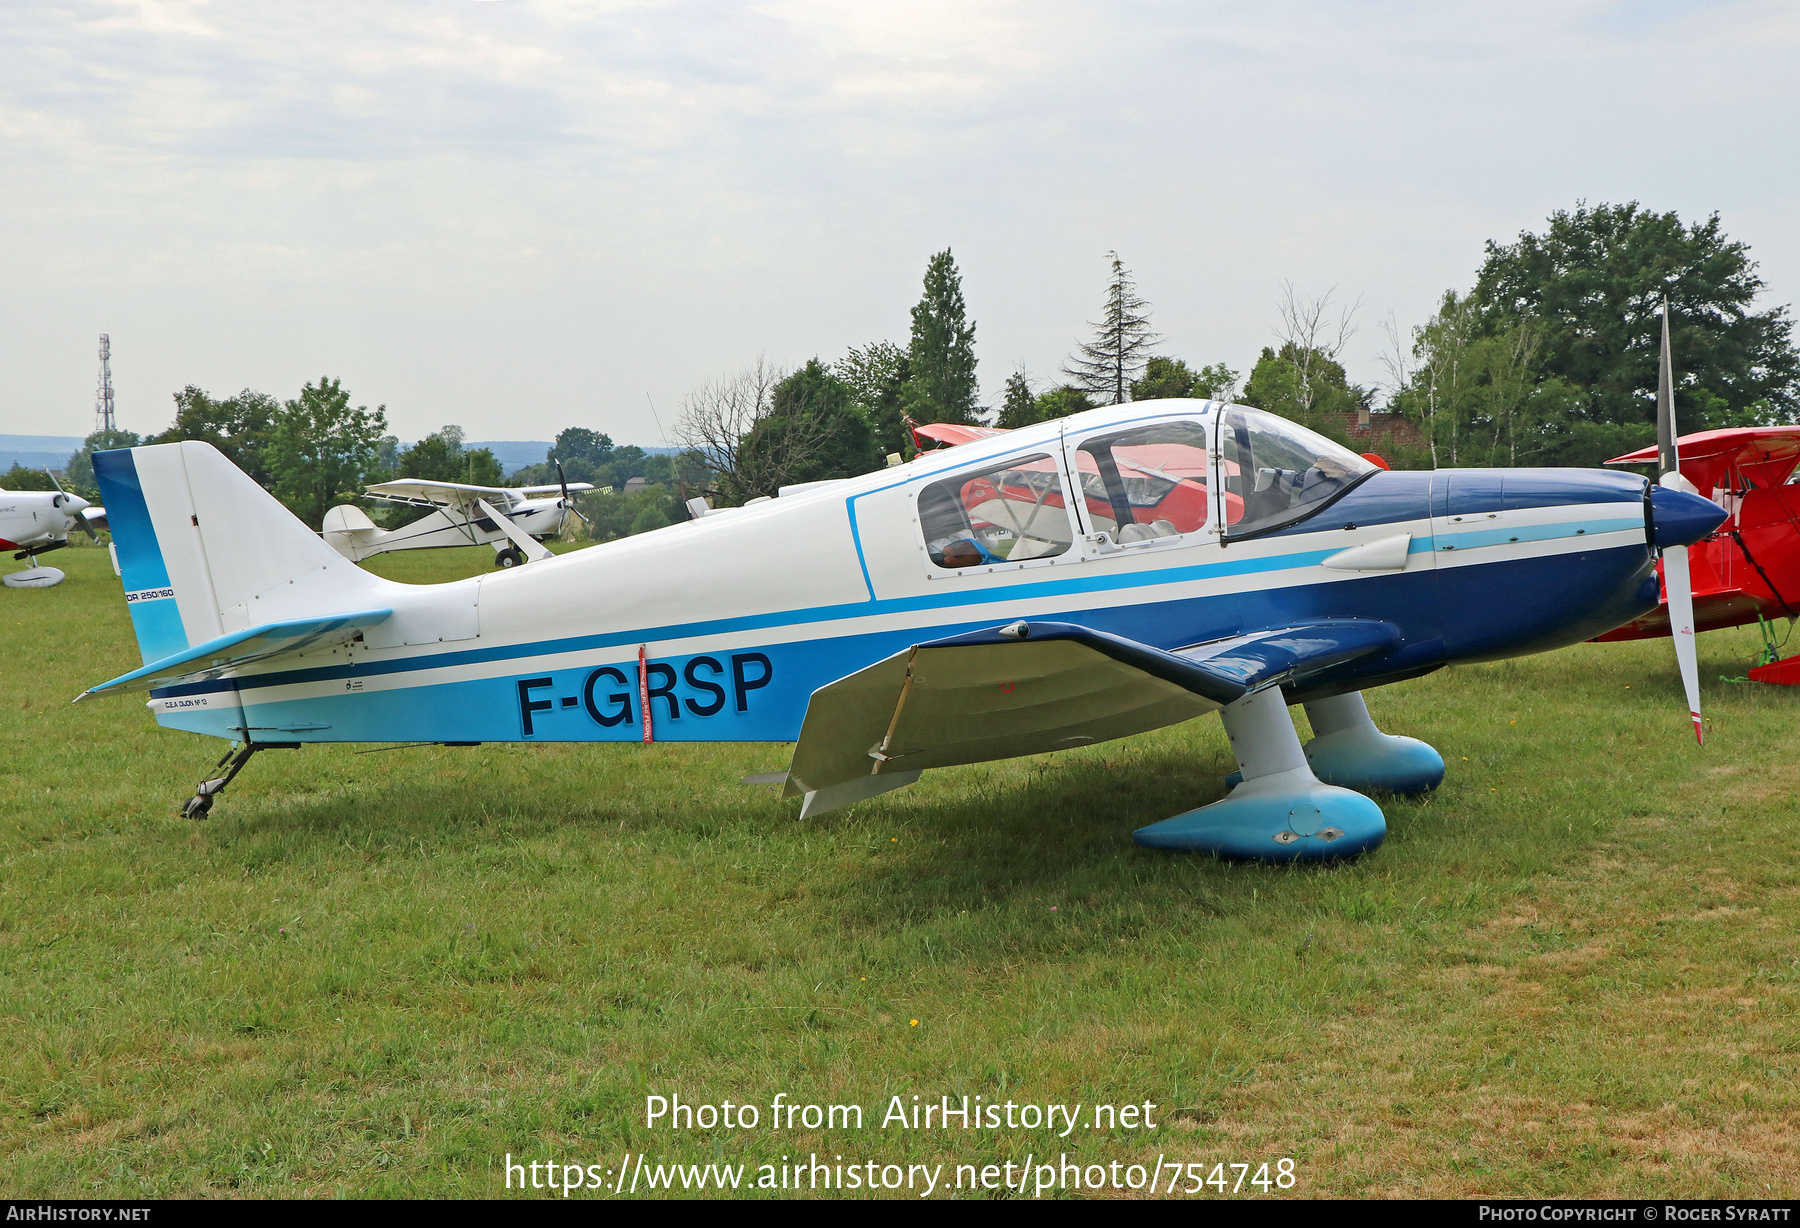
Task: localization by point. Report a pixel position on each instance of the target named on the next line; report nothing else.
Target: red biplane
(1749, 571)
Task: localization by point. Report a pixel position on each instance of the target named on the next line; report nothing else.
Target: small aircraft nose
(1680, 519)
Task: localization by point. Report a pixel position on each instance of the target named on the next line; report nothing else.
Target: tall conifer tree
(1105, 367)
(941, 358)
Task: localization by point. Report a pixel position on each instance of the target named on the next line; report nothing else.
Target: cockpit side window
(1007, 513)
(1146, 483)
(1279, 472)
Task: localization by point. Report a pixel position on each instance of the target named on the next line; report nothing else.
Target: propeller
(66, 504)
(1677, 583)
(566, 503)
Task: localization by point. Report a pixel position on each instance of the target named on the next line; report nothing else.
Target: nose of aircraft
(1680, 519)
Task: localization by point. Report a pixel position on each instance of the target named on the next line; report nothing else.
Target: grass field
(1573, 970)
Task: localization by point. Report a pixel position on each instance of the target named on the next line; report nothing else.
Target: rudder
(199, 544)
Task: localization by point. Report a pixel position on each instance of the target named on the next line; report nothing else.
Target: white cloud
(519, 215)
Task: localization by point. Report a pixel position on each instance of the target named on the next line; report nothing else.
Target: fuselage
(740, 616)
(31, 518)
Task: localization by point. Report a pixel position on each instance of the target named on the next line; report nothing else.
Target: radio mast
(103, 397)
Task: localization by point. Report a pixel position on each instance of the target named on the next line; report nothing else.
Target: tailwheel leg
(199, 806)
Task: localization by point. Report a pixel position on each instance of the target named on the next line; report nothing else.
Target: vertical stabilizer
(203, 550)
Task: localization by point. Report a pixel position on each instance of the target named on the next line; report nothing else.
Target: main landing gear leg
(1281, 811)
(1348, 750)
(200, 805)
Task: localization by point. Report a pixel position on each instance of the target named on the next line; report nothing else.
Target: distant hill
(515, 454)
(37, 451)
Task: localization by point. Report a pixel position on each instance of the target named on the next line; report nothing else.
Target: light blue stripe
(1476, 538)
(158, 627)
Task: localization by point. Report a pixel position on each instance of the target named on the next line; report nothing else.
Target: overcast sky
(518, 215)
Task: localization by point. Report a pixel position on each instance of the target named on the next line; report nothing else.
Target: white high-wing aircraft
(34, 522)
(514, 520)
(1063, 584)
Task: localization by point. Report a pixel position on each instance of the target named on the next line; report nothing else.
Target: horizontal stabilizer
(217, 657)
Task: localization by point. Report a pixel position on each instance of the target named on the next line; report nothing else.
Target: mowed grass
(1572, 971)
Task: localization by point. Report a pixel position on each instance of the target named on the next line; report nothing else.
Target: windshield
(1282, 472)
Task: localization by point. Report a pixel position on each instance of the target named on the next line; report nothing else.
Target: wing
(439, 494)
(1034, 687)
(217, 657)
(534, 492)
(950, 433)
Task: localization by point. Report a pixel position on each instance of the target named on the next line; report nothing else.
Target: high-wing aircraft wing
(441, 494)
(1032, 687)
(539, 492)
(216, 657)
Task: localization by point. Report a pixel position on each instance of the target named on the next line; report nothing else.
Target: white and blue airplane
(1056, 586)
(34, 522)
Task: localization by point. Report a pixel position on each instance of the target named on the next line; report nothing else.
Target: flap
(217, 657)
(1017, 690)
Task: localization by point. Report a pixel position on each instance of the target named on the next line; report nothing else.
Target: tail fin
(349, 531)
(204, 551)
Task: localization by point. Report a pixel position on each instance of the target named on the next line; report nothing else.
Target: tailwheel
(199, 806)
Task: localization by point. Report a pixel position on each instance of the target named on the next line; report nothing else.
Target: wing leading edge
(1028, 688)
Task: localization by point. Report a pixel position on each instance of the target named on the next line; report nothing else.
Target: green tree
(1060, 402)
(1018, 403)
(441, 457)
(940, 385)
(1305, 385)
(1478, 397)
(815, 404)
(1105, 367)
(1164, 377)
(580, 443)
(239, 426)
(685, 472)
(1216, 382)
(321, 449)
(21, 478)
(583, 453)
(877, 374)
(80, 469)
(1592, 285)
(614, 514)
